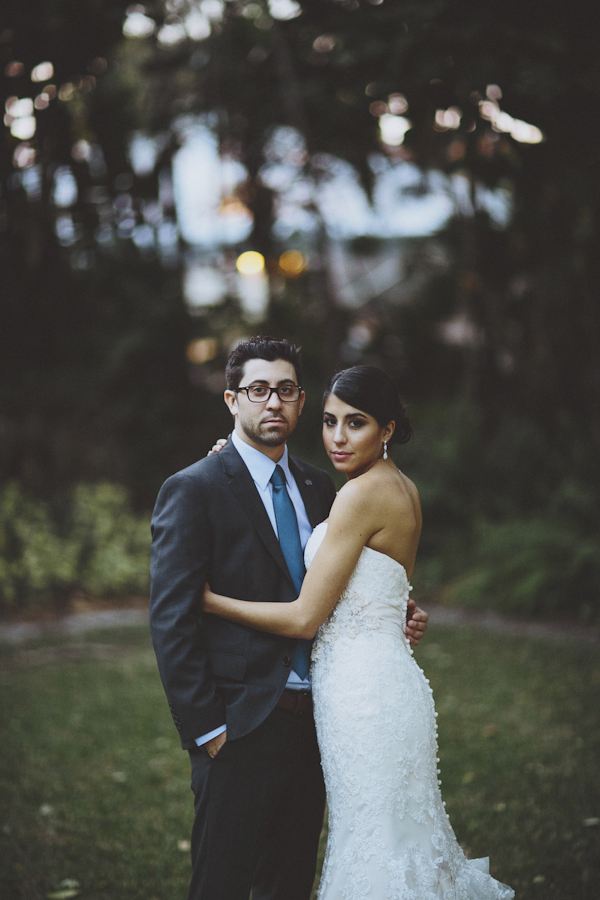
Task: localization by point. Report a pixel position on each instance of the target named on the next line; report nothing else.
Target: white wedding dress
(389, 834)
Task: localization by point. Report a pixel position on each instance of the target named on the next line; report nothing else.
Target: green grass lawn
(94, 789)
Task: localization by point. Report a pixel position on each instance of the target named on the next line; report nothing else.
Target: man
(241, 698)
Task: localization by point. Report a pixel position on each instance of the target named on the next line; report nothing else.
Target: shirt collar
(260, 466)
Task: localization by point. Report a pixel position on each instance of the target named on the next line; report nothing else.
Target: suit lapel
(242, 485)
(309, 492)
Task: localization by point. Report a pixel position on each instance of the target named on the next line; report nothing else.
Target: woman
(389, 835)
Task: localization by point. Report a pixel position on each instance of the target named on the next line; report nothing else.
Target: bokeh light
(250, 263)
(212, 8)
(66, 92)
(65, 191)
(23, 128)
(42, 72)
(42, 101)
(172, 32)
(202, 350)
(138, 24)
(203, 286)
(24, 156)
(19, 108)
(13, 69)
(293, 263)
(81, 151)
(503, 122)
(324, 43)
(393, 129)
(284, 9)
(252, 285)
(398, 104)
(378, 108)
(197, 26)
(448, 118)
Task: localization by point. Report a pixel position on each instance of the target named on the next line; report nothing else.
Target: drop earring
(385, 454)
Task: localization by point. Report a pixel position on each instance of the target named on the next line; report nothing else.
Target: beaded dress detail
(389, 834)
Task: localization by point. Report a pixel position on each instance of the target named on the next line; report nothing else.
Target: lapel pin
(307, 481)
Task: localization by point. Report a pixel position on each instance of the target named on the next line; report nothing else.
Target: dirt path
(79, 623)
(72, 625)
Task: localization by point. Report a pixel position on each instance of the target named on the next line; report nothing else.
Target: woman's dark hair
(260, 347)
(370, 390)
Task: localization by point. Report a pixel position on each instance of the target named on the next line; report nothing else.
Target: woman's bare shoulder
(368, 495)
(353, 495)
(391, 496)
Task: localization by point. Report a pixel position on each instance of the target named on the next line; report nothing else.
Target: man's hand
(416, 623)
(218, 446)
(214, 745)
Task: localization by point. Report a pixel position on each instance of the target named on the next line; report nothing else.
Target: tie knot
(278, 477)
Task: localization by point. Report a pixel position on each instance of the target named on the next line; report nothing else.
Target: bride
(389, 834)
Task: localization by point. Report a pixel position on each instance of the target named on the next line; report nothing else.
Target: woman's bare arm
(350, 526)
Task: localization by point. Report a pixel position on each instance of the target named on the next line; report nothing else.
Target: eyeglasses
(260, 393)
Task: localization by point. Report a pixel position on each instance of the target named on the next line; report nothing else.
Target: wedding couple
(232, 615)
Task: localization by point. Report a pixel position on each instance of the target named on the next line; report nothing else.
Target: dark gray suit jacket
(209, 524)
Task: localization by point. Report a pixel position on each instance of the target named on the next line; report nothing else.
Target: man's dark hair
(260, 348)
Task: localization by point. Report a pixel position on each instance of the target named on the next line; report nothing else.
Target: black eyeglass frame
(272, 390)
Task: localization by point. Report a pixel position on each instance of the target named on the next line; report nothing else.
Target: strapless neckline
(386, 556)
(394, 562)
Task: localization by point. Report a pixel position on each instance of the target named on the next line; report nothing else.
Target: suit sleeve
(330, 492)
(327, 491)
(181, 545)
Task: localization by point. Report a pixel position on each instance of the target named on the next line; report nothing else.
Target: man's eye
(286, 391)
(258, 390)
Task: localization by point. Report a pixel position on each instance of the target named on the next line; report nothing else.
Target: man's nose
(274, 401)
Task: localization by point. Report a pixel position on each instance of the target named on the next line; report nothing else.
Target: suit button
(287, 661)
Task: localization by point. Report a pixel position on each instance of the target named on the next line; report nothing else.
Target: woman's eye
(357, 423)
(329, 422)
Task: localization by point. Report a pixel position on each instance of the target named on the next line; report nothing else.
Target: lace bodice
(375, 598)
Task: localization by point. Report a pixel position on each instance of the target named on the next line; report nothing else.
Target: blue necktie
(289, 540)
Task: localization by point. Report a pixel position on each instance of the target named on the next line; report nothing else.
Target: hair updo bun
(370, 390)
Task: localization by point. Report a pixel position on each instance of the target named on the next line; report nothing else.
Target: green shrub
(532, 566)
(96, 545)
(511, 519)
(115, 544)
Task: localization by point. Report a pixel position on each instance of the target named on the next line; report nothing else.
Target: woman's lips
(340, 454)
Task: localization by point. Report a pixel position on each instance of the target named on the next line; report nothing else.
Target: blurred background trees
(413, 185)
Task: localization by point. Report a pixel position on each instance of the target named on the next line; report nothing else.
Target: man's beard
(261, 434)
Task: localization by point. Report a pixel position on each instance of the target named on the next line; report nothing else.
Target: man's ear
(301, 402)
(230, 398)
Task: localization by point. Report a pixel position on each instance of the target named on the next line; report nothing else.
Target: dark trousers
(259, 808)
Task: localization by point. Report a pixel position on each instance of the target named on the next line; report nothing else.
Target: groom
(240, 698)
